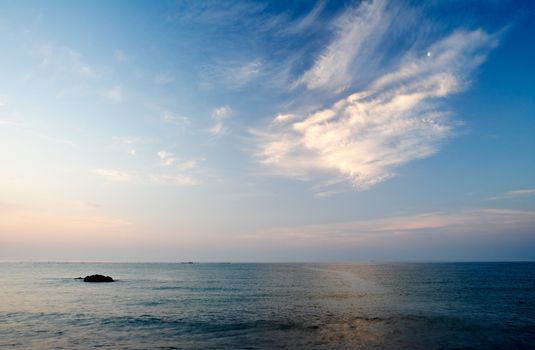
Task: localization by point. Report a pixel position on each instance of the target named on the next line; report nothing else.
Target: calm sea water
(265, 306)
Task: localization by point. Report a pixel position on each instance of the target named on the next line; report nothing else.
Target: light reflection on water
(218, 306)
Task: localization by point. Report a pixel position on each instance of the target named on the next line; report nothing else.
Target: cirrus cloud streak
(397, 118)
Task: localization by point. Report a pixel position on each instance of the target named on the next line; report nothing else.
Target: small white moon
(428, 53)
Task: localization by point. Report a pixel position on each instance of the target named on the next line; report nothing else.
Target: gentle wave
(345, 306)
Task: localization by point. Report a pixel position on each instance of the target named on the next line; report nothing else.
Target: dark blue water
(266, 306)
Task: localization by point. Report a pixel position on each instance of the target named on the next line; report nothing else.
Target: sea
(268, 306)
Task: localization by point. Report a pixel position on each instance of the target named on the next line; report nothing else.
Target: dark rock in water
(78, 278)
(98, 278)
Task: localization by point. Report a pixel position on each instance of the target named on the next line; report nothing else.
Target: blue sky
(267, 131)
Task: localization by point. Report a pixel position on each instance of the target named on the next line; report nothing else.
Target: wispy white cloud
(166, 158)
(325, 194)
(527, 192)
(450, 60)
(87, 205)
(180, 180)
(174, 172)
(232, 73)
(219, 115)
(241, 14)
(114, 175)
(181, 173)
(187, 165)
(86, 70)
(481, 221)
(358, 30)
(283, 118)
(56, 61)
(308, 20)
(130, 144)
(522, 193)
(397, 118)
(175, 119)
(221, 112)
(185, 174)
(243, 74)
(238, 61)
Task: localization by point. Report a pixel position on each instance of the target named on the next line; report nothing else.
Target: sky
(267, 131)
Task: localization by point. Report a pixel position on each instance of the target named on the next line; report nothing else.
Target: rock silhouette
(98, 278)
